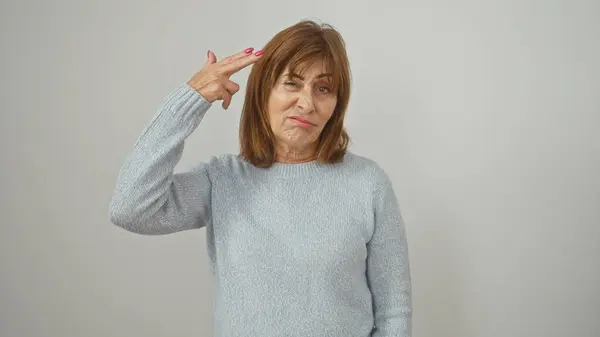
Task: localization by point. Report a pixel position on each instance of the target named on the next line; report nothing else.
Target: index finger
(241, 63)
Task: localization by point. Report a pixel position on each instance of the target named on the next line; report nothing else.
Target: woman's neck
(287, 155)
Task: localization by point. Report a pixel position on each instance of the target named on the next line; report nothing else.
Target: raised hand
(212, 81)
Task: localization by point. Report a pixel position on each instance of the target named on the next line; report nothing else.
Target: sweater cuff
(186, 99)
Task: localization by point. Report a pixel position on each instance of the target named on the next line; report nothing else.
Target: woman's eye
(324, 90)
(290, 83)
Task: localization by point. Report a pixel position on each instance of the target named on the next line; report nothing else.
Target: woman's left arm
(388, 271)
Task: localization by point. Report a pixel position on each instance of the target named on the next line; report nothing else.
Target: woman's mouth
(297, 120)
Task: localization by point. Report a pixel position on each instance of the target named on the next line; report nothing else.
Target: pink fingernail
(249, 50)
(258, 53)
(208, 53)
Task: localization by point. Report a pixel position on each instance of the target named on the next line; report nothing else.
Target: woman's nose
(305, 101)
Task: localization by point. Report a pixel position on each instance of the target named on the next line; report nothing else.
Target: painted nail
(258, 53)
(208, 53)
(249, 50)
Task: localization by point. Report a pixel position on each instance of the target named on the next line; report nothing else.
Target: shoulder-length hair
(296, 46)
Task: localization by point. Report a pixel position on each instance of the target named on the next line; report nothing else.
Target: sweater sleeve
(388, 269)
(149, 198)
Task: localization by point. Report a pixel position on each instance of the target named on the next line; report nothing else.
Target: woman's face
(299, 107)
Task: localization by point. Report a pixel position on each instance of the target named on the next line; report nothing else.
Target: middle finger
(240, 62)
(236, 56)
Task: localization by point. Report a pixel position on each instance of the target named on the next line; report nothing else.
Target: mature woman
(305, 238)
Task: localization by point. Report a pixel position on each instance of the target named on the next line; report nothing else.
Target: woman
(305, 238)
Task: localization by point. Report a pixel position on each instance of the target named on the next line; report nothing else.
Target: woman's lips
(301, 121)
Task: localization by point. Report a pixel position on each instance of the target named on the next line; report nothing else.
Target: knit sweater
(309, 249)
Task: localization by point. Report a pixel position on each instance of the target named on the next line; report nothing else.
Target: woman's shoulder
(225, 162)
(377, 178)
(365, 166)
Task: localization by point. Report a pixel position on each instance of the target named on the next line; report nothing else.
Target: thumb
(211, 58)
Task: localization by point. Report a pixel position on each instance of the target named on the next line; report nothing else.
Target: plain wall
(486, 115)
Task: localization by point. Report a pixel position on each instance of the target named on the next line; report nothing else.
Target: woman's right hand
(212, 81)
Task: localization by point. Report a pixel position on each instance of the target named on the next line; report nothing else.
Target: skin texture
(307, 96)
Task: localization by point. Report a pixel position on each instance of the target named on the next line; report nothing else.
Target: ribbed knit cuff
(186, 99)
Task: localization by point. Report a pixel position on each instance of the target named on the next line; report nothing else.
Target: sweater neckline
(293, 169)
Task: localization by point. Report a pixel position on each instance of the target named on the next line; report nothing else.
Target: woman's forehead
(308, 68)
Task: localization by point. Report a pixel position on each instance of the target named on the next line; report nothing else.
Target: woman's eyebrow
(291, 74)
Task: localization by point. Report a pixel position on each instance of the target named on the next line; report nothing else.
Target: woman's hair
(296, 46)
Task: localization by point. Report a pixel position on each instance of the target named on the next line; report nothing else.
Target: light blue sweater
(305, 249)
